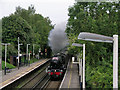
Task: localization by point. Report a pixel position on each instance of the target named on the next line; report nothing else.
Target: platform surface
(18, 73)
(71, 78)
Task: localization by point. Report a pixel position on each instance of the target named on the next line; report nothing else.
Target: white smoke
(58, 38)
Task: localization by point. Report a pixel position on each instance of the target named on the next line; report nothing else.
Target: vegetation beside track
(100, 18)
(30, 27)
(33, 60)
(10, 66)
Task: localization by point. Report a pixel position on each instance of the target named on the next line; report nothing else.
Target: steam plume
(58, 38)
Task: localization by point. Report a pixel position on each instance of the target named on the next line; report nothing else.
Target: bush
(99, 76)
(7, 65)
(33, 60)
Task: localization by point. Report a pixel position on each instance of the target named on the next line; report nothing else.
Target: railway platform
(18, 73)
(71, 78)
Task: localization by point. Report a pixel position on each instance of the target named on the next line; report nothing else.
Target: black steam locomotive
(57, 66)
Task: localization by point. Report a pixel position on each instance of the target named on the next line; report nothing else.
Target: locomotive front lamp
(80, 64)
(102, 38)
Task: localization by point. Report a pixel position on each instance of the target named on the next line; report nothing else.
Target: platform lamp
(102, 38)
(5, 54)
(80, 64)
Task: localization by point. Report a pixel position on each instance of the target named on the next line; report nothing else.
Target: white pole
(29, 59)
(79, 67)
(39, 54)
(115, 61)
(81, 73)
(18, 52)
(83, 66)
(5, 56)
(33, 50)
(81, 70)
(27, 54)
(5, 53)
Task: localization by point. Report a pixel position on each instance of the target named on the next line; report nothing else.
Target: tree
(40, 25)
(14, 27)
(100, 18)
(32, 28)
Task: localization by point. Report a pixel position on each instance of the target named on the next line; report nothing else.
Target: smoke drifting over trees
(58, 38)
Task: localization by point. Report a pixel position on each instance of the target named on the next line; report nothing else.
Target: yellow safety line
(19, 74)
(70, 76)
(22, 72)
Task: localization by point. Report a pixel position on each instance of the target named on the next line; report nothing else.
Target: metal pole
(26, 57)
(79, 67)
(81, 70)
(5, 56)
(29, 59)
(33, 50)
(27, 54)
(80, 74)
(18, 52)
(115, 61)
(83, 66)
(38, 55)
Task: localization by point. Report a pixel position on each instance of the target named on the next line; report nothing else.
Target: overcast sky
(56, 10)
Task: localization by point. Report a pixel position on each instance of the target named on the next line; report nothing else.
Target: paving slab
(71, 79)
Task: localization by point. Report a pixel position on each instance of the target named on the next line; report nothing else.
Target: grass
(7, 65)
(33, 60)
(12, 66)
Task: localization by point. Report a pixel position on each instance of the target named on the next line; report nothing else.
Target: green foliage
(30, 27)
(100, 18)
(100, 76)
(40, 26)
(10, 66)
(33, 60)
(14, 27)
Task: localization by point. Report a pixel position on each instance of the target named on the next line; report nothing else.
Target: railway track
(40, 80)
(35, 79)
(42, 83)
(48, 84)
(29, 80)
(52, 85)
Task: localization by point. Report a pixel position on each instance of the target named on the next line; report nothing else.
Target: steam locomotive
(57, 67)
